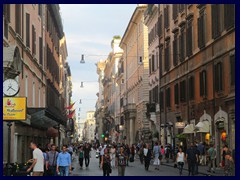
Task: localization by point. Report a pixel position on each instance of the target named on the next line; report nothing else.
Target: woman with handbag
(180, 160)
(106, 163)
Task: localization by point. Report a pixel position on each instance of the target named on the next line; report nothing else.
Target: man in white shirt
(38, 161)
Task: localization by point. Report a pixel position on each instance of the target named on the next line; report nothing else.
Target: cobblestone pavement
(134, 169)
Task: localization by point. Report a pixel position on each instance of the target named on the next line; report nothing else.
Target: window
(155, 95)
(176, 94)
(216, 18)
(191, 87)
(26, 86)
(232, 65)
(157, 63)
(183, 91)
(189, 38)
(28, 30)
(150, 96)
(121, 102)
(153, 63)
(39, 96)
(40, 51)
(6, 13)
(160, 26)
(161, 100)
(201, 29)
(174, 11)
(229, 16)
(167, 56)
(182, 45)
(40, 9)
(18, 18)
(168, 97)
(33, 40)
(150, 66)
(160, 61)
(33, 95)
(203, 83)
(218, 77)
(140, 60)
(175, 50)
(181, 7)
(166, 17)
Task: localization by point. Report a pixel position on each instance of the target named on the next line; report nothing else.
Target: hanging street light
(82, 60)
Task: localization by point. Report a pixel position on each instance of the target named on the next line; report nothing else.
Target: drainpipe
(22, 38)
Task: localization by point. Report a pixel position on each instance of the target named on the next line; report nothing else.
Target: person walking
(113, 156)
(229, 168)
(87, 151)
(167, 153)
(81, 157)
(211, 159)
(64, 162)
(198, 161)
(162, 154)
(37, 161)
(106, 163)
(121, 161)
(156, 153)
(132, 153)
(180, 160)
(128, 152)
(51, 162)
(141, 154)
(147, 156)
(192, 158)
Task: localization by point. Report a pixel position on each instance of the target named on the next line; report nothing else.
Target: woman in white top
(113, 156)
(180, 160)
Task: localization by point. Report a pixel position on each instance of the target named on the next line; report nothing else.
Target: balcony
(130, 110)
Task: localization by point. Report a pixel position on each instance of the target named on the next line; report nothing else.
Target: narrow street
(135, 169)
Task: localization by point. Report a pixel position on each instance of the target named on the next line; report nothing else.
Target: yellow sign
(15, 108)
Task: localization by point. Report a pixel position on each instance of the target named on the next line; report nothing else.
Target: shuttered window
(40, 9)
(215, 20)
(201, 30)
(167, 57)
(191, 88)
(161, 100)
(150, 96)
(166, 17)
(218, 77)
(174, 11)
(157, 61)
(18, 18)
(203, 83)
(150, 66)
(183, 91)
(175, 50)
(168, 97)
(189, 38)
(182, 45)
(156, 95)
(181, 7)
(28, 30)
(160, 26)
(160, 61)
(33, 40)
(232, 66)
(229, 16)
(6, 12)
(153, 63)
(176, 93)
(40, 51)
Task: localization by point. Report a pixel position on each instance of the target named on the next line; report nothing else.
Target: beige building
(89, 127)
(135, 74)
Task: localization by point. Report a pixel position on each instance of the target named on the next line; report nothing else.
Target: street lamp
(82, 60)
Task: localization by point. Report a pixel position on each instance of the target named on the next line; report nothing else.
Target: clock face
(10, 87)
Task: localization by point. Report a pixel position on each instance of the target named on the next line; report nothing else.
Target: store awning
(203, 126)
(41, 118)
(189, 129)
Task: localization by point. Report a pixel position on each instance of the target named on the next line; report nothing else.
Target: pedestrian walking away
(87, 151)
(192, 158)
(51, 162)
(113, 156)
(106, 163)
(147, 156)
(180, 160)
(121, 161)
(81, 157)
(211, 158)
(37, 161)
(64, 166)
(156, 153)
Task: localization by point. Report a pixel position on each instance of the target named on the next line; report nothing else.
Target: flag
(70, 107)
(70, 115)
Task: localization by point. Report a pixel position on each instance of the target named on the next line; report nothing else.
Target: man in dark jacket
(192, 159)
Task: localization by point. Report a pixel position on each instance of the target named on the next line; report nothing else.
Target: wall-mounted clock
(10, 87)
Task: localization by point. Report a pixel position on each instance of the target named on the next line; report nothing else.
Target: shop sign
(14, 108)
(180, 125)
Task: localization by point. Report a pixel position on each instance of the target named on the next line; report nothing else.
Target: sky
(89, 30)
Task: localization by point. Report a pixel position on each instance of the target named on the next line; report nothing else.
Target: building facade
(135, 92)
(89, 127)
(196, 72)
(25, 42)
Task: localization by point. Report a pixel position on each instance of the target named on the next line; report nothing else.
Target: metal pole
(9, 124)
